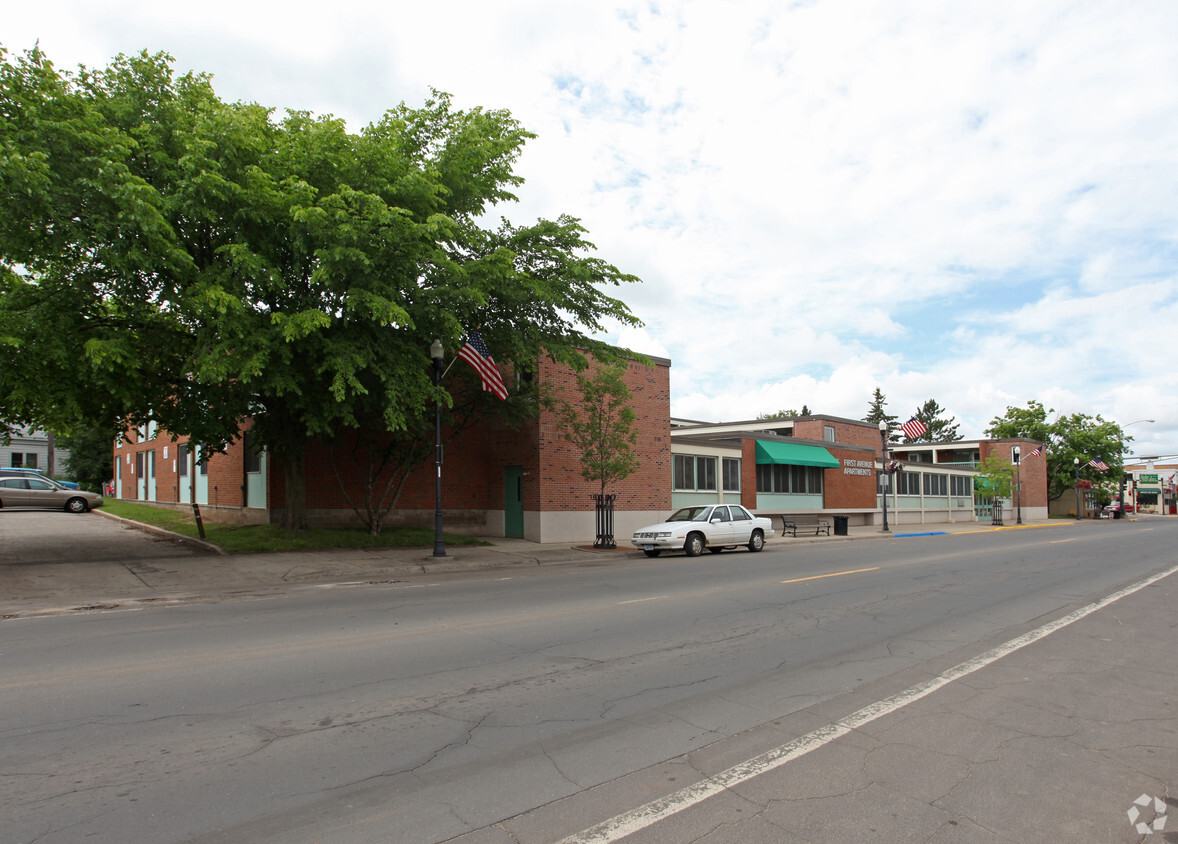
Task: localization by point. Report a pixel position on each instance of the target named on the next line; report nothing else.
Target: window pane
(731, 474)
(706, 469)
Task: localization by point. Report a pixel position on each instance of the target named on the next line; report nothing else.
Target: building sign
(858, 467)
(1148, 479)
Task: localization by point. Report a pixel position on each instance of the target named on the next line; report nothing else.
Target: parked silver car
(40, 492)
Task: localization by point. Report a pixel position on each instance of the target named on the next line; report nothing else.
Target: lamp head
(436, 350)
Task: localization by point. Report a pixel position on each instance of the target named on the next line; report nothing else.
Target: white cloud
(972, 203)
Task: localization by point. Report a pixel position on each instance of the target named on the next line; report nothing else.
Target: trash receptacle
(840, 525)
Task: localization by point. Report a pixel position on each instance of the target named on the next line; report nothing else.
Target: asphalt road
(533, 706)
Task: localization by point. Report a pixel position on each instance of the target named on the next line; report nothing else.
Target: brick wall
(561, 487)
(846, 487)
(1032, 471)
(846, 431)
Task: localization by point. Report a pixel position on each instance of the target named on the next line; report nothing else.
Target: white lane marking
(628, 823)
(641, 600)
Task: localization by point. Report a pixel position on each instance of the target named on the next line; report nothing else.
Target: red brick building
(496, 481)
(526, 482)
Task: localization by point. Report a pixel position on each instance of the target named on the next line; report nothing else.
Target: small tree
(996, 476)
(601, 427)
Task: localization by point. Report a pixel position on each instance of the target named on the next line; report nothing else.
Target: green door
(513, 501)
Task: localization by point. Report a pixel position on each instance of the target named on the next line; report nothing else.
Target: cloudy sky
(968, 202)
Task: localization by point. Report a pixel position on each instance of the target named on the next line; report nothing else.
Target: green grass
(257, 539)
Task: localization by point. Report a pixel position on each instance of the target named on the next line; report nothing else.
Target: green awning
(795, 454)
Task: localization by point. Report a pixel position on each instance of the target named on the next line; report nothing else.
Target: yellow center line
(836, 574)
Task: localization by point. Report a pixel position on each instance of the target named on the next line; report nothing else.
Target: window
(139, 464)
(205, 454)
(775, 477)
(828, 433)
(732, 474)
(907, 483)
(182, 460)
(26, 461)
(253, 456)
(960, 486)
(936, 484)
(695, 473)
(151, 463)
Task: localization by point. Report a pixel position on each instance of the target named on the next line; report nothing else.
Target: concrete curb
(199, 544)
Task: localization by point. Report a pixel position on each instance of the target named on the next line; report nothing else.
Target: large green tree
(166, 254)
(1067, 439)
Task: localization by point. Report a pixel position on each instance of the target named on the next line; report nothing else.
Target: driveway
(39, 537)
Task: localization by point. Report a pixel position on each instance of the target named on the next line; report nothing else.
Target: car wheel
(757, 542)
(652, 552)
(76, 505)
(694, 546)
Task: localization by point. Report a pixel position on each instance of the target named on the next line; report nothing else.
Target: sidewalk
(41, 588)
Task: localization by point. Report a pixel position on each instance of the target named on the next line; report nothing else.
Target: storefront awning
(795, 454)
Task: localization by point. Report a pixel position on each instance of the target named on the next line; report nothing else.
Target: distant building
(34, 450)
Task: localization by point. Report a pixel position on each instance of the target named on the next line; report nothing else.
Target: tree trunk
(294, 514)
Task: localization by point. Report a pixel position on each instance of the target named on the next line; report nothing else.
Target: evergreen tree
(937, 429)
(877, 414)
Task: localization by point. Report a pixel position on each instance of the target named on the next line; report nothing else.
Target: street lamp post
(1018, 484)
(438, 352)
(884, 476)
(1076, 461)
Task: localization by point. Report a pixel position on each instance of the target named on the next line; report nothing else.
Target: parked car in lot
(24, 472)
(1117, 509)
(36, 491)
(711, 526)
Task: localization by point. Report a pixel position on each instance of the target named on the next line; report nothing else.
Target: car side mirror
(716, 520)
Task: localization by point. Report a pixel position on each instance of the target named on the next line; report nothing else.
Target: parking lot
(29, 537)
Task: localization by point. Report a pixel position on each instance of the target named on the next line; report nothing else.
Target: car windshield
(690, 514)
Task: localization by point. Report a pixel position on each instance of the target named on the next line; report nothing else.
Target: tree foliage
(938, 429)
(785, 414)
(90, 462)
(600, 425)
(1067, 439)
(876, 414)
(995, 477)
(166, 254)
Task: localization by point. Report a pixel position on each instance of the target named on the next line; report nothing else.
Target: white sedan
(711, 526)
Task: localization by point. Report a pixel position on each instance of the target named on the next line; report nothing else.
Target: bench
(791, 523)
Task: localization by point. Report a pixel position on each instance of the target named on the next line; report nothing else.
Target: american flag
(1036, 452)
(1099, 464)
(474, 351)
(913, 428)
